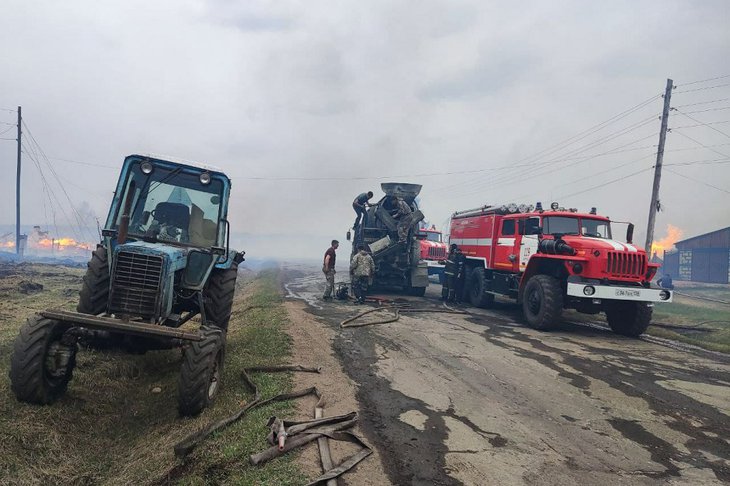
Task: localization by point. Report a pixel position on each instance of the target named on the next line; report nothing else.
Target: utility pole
(654, 205)
(17, 187)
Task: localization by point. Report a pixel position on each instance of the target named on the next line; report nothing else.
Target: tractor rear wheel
(42, 363)
(542, 302)
(478, 295)
(219, 296)
(95, 290)
(628, 318)
(201, 372)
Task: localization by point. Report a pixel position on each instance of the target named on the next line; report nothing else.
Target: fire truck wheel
(42, 363)
(542, 302)
(95, 289)
(200, 375)
(629, 318)
(477, 290)
(220, 290)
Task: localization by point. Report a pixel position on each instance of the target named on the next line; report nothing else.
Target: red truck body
(555, 259)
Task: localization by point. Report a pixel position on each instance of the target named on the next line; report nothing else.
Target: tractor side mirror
(630, 233)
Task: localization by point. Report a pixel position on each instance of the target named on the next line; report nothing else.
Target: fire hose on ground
(285, 435)
(397, 310)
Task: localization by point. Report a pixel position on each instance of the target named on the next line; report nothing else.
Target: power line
(701, 144)
(606, 183)
(84, 163)
(702, 123)
(703, 103)
(701, 89)
(706, 80)
(699, 181)
(709, 109)
(702, 162)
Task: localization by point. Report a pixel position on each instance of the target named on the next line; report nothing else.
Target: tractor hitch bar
(118, 325)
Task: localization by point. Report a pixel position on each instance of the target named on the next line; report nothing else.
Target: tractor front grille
(136, 284)
(437, 253)
(626, 265)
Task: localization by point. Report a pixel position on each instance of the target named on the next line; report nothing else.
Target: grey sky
(364, 89)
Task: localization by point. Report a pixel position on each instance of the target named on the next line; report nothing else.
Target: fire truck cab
(433, 250)
(553, 259)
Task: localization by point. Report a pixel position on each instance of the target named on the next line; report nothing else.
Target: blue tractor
(163, 260)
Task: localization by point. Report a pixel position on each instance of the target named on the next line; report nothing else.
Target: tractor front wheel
(95, 290)
(202, 368)
(542, 302)
(628, 318)
(43, 361)
(219, 295)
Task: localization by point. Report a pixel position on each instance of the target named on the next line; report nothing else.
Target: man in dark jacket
(328, 268)
(454, 275)
(359, 205)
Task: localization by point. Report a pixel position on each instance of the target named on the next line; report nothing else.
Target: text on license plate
(627, 293)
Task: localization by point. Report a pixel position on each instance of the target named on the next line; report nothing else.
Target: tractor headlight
(589, 290)
(664, 295)
(205, 178)
(146, 167)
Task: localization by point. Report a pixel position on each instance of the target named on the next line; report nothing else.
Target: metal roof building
(703, 258)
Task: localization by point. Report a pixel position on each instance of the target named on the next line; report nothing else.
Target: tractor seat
(174, 214)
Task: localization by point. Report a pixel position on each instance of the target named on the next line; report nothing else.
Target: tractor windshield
(173, 205)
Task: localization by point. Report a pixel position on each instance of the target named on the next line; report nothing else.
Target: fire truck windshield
(560, 225)
(596, 228)
(430, 236)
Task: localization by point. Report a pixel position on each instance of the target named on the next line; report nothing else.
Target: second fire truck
(550, 260)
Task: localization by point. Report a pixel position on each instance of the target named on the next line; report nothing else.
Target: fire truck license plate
(627, 293)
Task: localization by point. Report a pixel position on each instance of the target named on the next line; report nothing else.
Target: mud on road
(481, 399)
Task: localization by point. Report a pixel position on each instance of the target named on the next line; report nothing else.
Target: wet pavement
(481, 399)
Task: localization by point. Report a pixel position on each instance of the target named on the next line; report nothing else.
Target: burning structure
(40, 243)
(703, 258)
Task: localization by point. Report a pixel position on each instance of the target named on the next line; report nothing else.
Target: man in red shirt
(328, 268)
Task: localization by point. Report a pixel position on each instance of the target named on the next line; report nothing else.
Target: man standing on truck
(403, 215)
(328, 268)
(362, 268)
(359, 205)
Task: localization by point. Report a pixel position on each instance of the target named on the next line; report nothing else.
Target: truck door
(505, 257)
(529, 241)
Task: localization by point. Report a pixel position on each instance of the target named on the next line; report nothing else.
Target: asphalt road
(481, 399)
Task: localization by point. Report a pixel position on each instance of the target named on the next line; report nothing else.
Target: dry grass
(111, 428)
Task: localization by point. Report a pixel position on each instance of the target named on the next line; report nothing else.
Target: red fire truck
(553, 259)
(433, 250)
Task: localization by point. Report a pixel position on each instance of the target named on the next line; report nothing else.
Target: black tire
(94, 294)
(417, 291)
(542, 302)
(628, 318)
(200, 375)
(477, 289)
(31, 378)
(219, 296)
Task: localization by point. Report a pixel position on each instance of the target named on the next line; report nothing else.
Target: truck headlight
(589, 290)
(664, 295)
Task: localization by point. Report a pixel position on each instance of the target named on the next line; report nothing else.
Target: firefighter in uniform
(362, 268)
(455, 275)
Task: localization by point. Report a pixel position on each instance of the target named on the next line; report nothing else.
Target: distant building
(704, 258)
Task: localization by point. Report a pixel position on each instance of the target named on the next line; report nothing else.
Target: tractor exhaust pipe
(124, 222)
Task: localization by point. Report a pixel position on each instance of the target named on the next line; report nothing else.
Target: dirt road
(481, 399)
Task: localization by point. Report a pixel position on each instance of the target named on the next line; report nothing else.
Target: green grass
(110, 428)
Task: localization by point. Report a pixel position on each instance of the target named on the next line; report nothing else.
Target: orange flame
(674, 234)
(63, 243)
